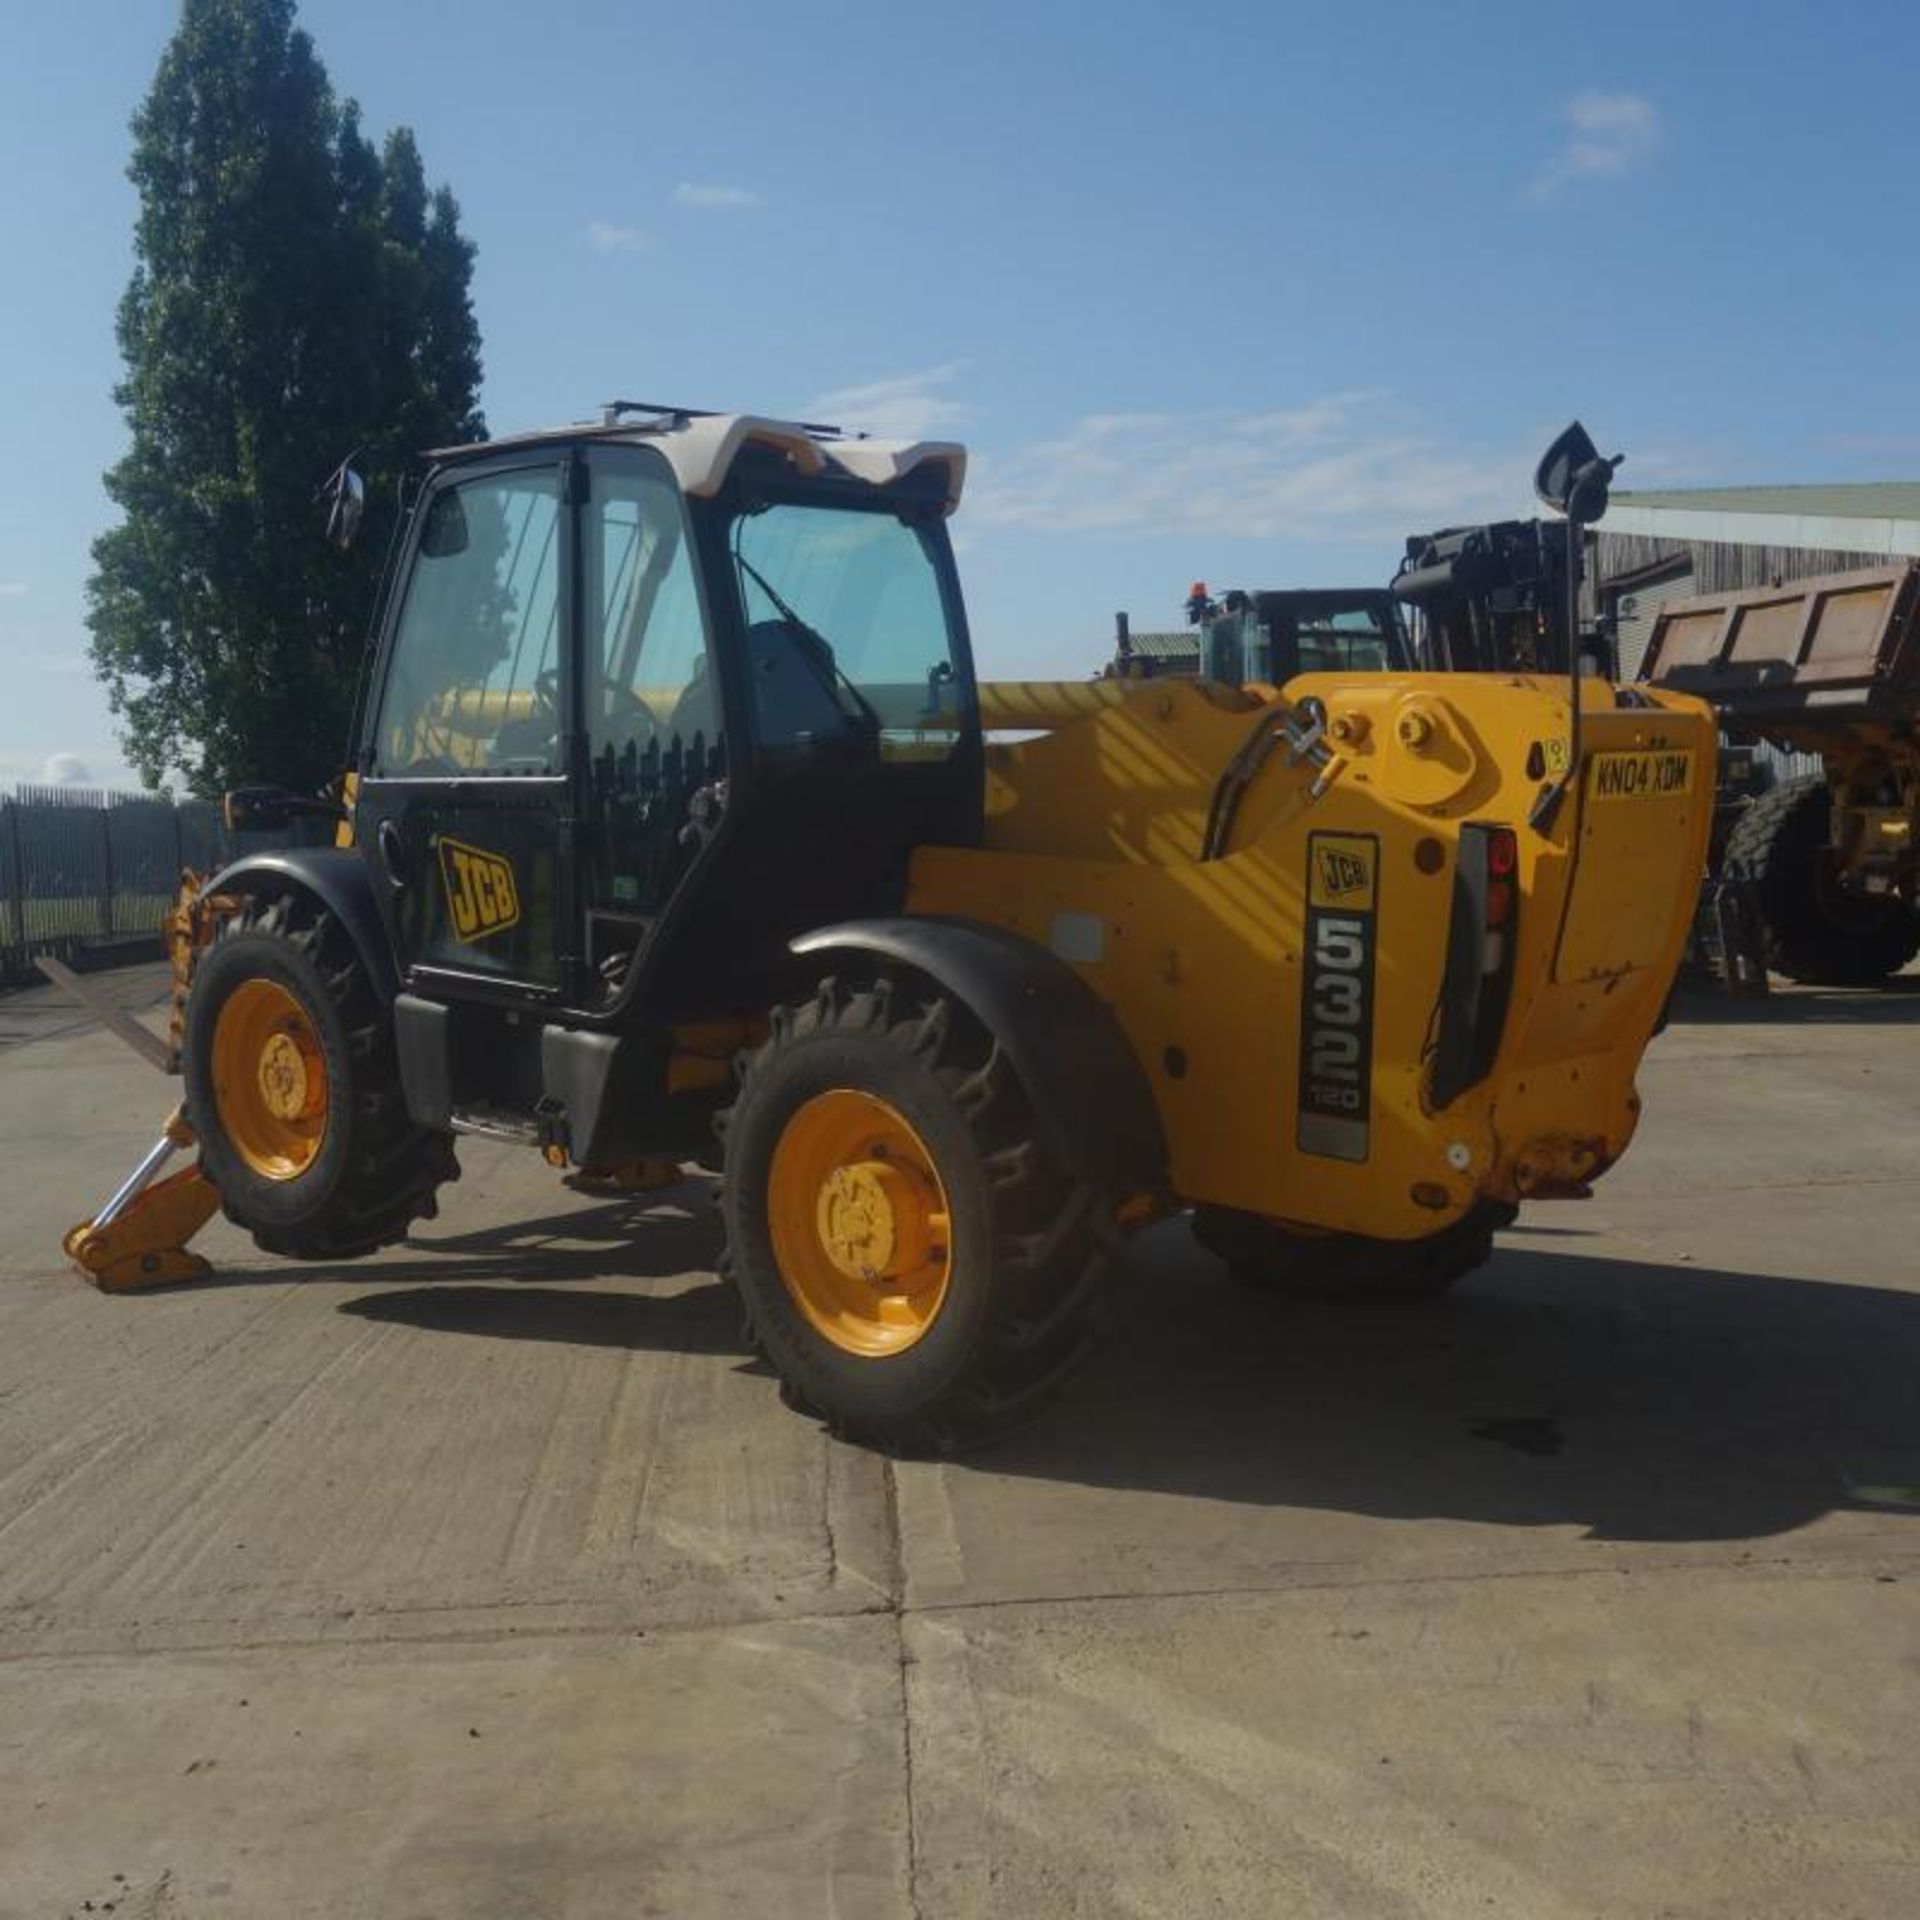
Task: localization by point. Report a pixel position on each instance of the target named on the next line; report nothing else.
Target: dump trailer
(678, 829)
(1824, 868)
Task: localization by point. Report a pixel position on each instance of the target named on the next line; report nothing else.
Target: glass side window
(647, 637)
(653, 707)
(849, 632)
(472, 684)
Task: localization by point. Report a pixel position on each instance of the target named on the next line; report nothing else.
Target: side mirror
(445, 532)
(253, 809)
(346, 498)
(1573, 477)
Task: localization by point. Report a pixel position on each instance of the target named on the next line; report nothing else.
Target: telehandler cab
(676, 806)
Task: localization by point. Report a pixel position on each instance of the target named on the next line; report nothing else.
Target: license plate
(1641, 773)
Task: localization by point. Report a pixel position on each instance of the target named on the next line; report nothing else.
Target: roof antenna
(611, 412)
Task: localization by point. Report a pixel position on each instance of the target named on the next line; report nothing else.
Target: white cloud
(1608, 135)
(1345, 466)
(12, 589)
(899, 406)
(66, 770)
(733, 199)
(604, 236)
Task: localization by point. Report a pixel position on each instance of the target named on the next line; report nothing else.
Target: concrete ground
(490, 1580)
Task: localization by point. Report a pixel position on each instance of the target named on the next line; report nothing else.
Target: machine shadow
(500, 1283)
(699, 1320)
(1637, 1402)
(1893, 1003)
(674, 1230)
(671, 1231)
(1634, 1401)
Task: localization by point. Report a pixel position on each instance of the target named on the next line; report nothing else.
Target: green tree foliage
(296, 296)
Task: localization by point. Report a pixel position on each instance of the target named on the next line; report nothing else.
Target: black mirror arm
(265, 807)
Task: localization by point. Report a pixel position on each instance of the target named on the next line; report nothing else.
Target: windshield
(850, 639)
(1349, 640)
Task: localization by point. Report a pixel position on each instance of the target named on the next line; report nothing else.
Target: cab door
(465, 770)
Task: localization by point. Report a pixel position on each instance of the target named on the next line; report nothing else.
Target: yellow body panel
(1094, 836)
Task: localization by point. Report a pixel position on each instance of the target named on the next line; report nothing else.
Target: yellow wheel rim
(860, 1223)
(269, 1080)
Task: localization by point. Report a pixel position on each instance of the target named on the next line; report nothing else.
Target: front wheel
(293, 1088)
(911, 1262)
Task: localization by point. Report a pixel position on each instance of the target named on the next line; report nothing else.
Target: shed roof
(1877, 516)
(1869, 499)
(1179, 644)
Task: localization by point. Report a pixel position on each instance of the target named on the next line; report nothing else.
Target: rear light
(1479, 974)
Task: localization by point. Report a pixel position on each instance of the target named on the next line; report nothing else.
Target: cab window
(472, 680)
(654, 728)
(647, 641)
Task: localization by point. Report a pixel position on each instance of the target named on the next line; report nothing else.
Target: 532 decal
(1336, 996)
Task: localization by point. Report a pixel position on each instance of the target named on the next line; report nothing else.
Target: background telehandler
(675, 805)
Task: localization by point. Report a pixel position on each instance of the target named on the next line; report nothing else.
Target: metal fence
(84, 868)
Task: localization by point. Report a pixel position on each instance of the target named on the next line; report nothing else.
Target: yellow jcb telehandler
(676, 808)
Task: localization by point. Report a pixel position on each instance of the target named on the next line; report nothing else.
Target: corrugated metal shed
(1878, 517)
(1180, 646)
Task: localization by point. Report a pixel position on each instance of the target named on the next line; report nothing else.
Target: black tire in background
(375, 1172)
(1349, 1266)
(1814, 929)
(1031, 1248)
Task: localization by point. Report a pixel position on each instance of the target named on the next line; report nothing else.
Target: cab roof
(702, 447)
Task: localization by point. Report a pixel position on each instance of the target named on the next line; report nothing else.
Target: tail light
(1479, 974)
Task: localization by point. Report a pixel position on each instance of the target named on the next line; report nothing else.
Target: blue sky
(1245, 293)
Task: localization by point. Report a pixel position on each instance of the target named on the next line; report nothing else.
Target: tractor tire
(909, 1260)
(1349, 1266)
(1813, 929)
(293, 1087)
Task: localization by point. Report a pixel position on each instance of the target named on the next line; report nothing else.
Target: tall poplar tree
(297, 296)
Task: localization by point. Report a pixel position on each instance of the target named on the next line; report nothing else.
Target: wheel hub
(269, 1079)
(859, 1222)
(283, 1077)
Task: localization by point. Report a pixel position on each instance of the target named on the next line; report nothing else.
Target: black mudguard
(1063, 1040)
(338, 878)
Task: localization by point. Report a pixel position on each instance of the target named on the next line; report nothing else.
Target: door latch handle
(393, 854)
(705, 805)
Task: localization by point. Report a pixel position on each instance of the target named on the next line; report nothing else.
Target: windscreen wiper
(832, 676)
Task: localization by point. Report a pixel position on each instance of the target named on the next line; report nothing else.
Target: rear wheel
(1814, 927)
(910, 1260)
(1349, 1266)
(294, 1090)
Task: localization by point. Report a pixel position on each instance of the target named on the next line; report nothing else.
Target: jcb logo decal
(1342, 871)
(481, 895)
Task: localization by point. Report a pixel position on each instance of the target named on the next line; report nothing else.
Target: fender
(338, 878)
(1069, 1051)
